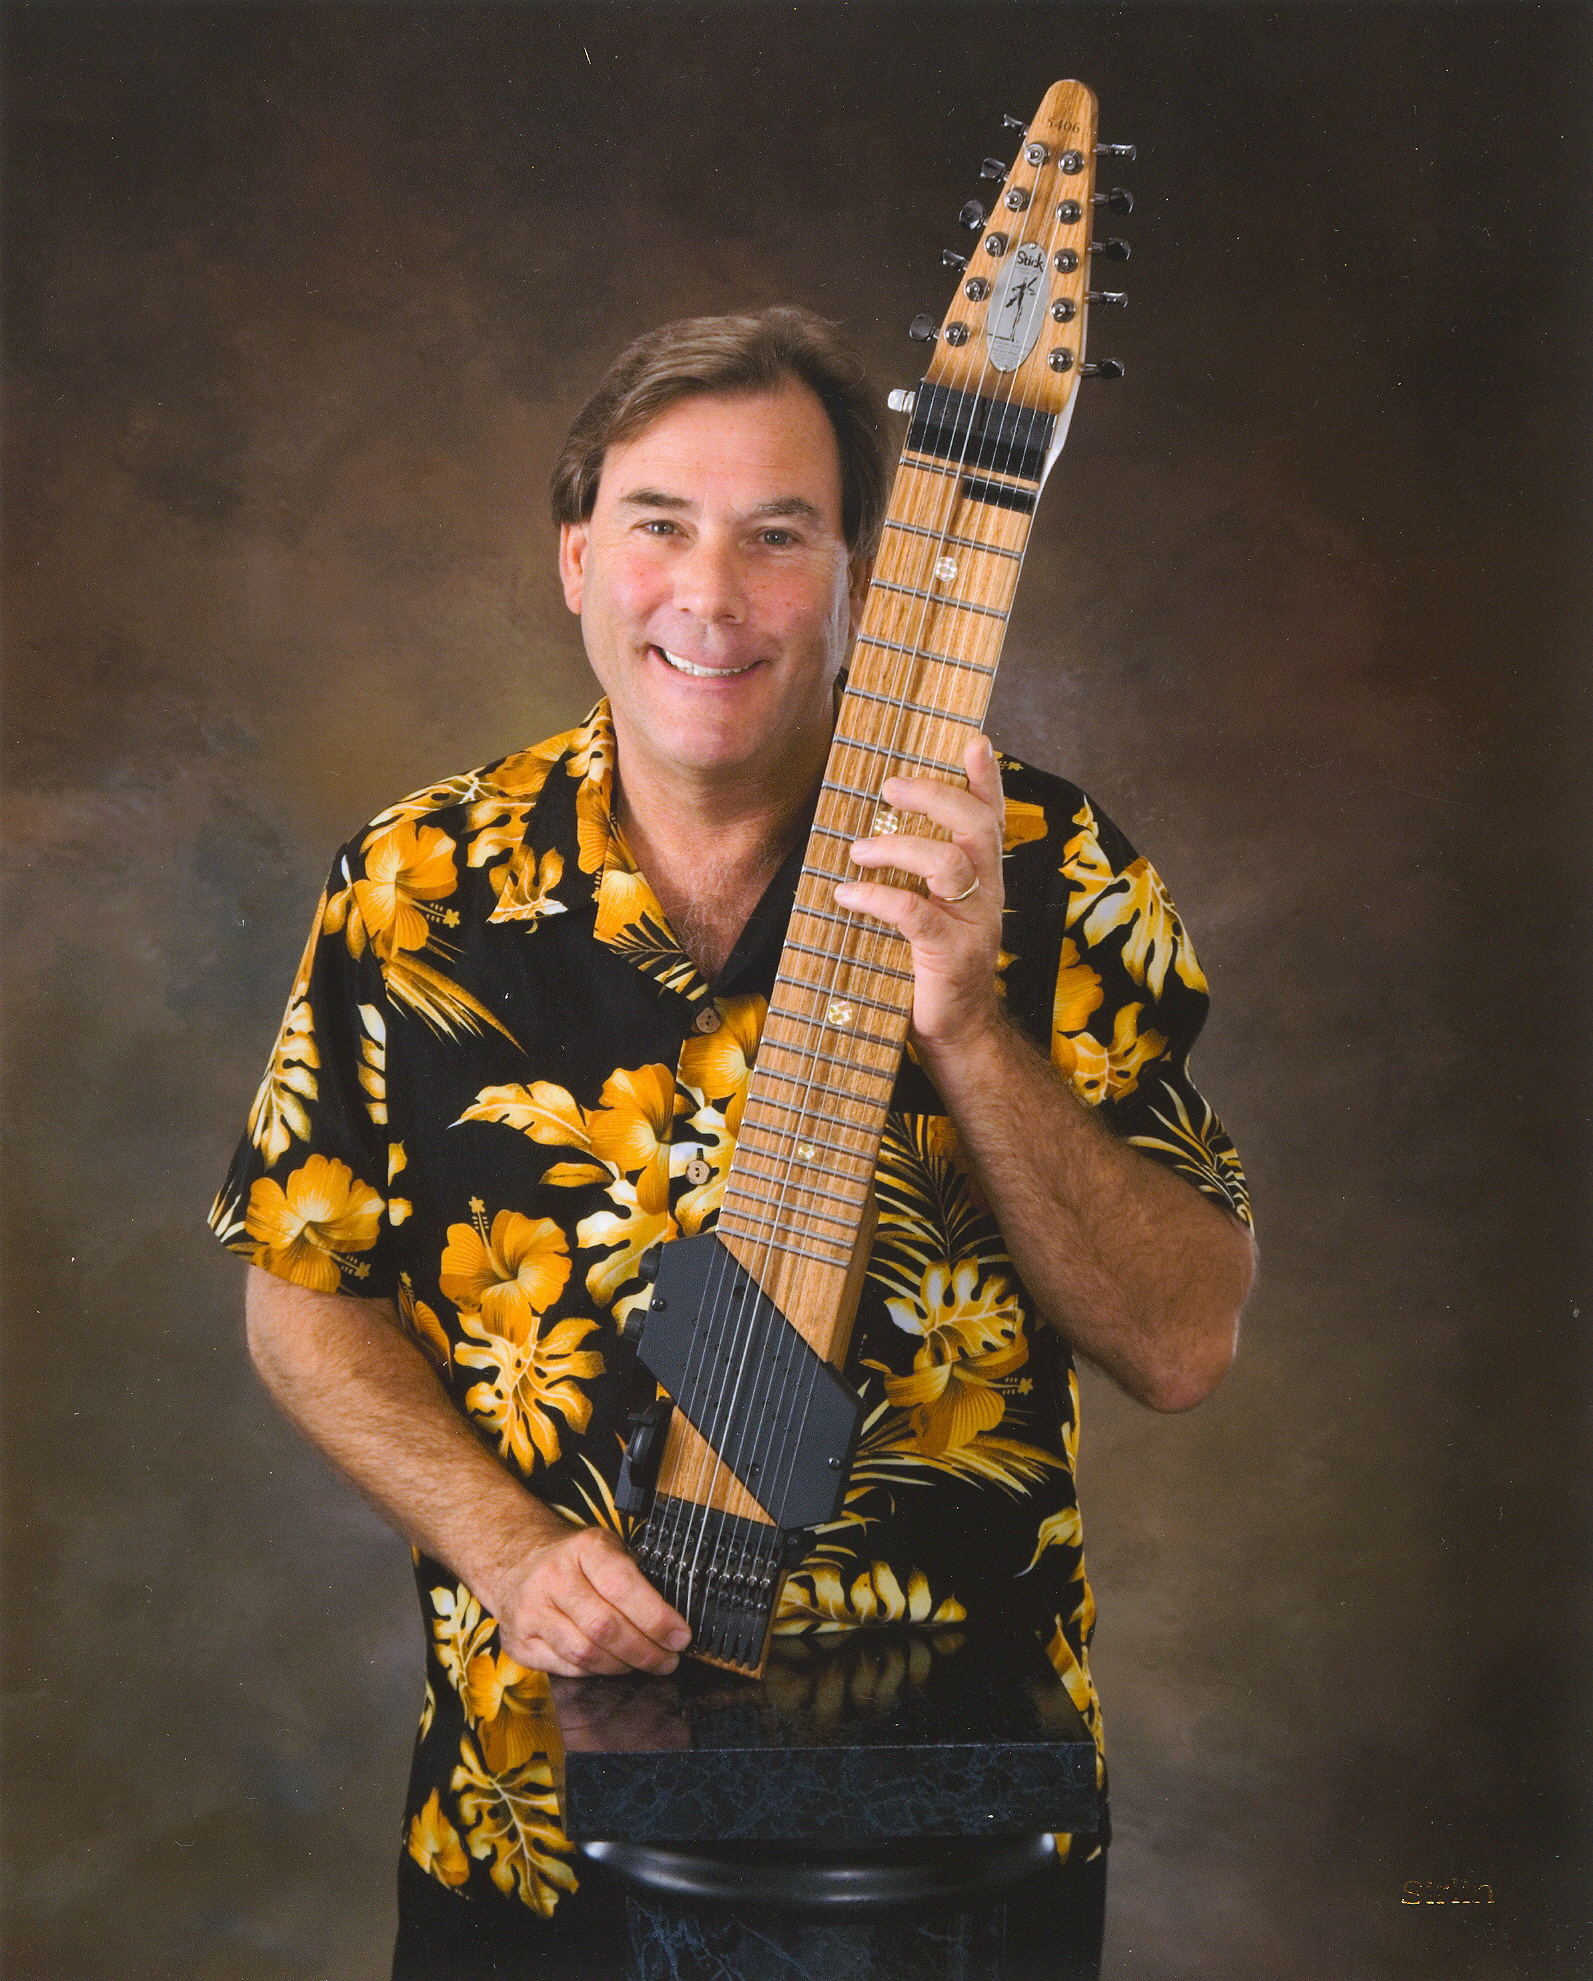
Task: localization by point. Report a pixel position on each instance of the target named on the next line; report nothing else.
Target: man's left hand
(955, 931)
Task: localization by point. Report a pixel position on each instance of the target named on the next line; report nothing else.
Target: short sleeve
(1098, 967)
(1130, 1000)
(304, 1196)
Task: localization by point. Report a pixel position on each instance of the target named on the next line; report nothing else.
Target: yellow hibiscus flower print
(404, 865)
(971, 1339)
(719, 1066)
(511, 1710)
(435, 1846)
(509, 1275)
(305, 1232)
(630, 1129)
(500, 1285)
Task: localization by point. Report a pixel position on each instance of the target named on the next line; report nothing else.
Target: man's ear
(573, 540)
(859, 571)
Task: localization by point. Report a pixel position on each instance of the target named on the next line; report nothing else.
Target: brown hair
(752, 353)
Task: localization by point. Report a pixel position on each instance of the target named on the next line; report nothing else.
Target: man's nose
(710, 583)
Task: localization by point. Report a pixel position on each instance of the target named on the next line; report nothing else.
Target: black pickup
(784, 1421)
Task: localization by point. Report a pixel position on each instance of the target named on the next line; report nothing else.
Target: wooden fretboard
(797, 1212)
(919, 686)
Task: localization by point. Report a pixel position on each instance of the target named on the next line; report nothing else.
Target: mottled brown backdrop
(298, 300)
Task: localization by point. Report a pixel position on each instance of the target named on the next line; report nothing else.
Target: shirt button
(707, 1020)
(697, 1171)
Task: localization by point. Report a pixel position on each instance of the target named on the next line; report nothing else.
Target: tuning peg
(1113, 250)
(1124, 151)
(1106, 299)
(1118, 200)
(1070, 162)
(1101, 368)
(923, 329)
(901, 400)
(971, 216)
(993, 169)
(1014, 123)
(949, 258)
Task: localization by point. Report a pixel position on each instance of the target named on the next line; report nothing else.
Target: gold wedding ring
(969, 889)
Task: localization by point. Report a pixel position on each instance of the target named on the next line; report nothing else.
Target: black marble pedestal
(871, 1811)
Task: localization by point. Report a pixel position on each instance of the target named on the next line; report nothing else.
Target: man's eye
(658, 526)
(778, 538)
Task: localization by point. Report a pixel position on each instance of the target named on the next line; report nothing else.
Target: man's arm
(567, 1599)
(1139, 1271)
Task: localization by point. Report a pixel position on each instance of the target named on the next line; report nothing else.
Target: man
(528, 1010)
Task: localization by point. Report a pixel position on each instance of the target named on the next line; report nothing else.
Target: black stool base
(801, 1876)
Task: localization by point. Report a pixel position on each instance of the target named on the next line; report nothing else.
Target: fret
(901, 702)
(840, 1256)
(824, 1217)
(925, 653)
(940, 598)
(832, 990)
(1015, 485)
(841, 1031)
(807, 1189)
(851, 791)
(806, 1135)
(962, 543)
(857, 1067)
(834, 1058)
(828, 1106)
(903, 756)
(834, 832)
(829, 915)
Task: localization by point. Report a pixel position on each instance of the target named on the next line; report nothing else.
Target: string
(873, 939)
(896, 754)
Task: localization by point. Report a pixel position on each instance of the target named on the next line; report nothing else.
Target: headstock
(1015, 330)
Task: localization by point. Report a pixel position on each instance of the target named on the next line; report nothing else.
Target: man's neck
(709, 849)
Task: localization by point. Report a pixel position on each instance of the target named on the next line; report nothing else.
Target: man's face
(713, 585)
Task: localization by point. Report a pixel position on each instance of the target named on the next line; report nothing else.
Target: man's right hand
(578, 1605)
(567, 1599)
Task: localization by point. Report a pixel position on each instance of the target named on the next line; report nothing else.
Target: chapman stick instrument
(746, 1329)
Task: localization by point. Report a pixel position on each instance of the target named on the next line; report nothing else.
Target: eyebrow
(796, 506)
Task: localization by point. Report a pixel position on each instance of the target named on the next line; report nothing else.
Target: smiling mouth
(702, 673)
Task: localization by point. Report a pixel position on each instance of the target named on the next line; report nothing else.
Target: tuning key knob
(1118, 200)
(971, 216)
(901, 400)
(1106, 299)
(1112, 250)
(923, 329)
(949, 258)
(993, 169)
(1014, 123)
(1123, 151)
(1101, 368)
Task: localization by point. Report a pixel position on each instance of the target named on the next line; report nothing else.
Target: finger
(961, 811)
(944, 867)
(984, 776)
(605, 1596)
(615, 1576)
(917, 919)
(595, 1637)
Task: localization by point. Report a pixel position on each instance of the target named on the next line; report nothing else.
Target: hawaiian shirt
(500, 1080)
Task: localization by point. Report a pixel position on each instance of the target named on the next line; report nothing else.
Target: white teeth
(711, 673)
